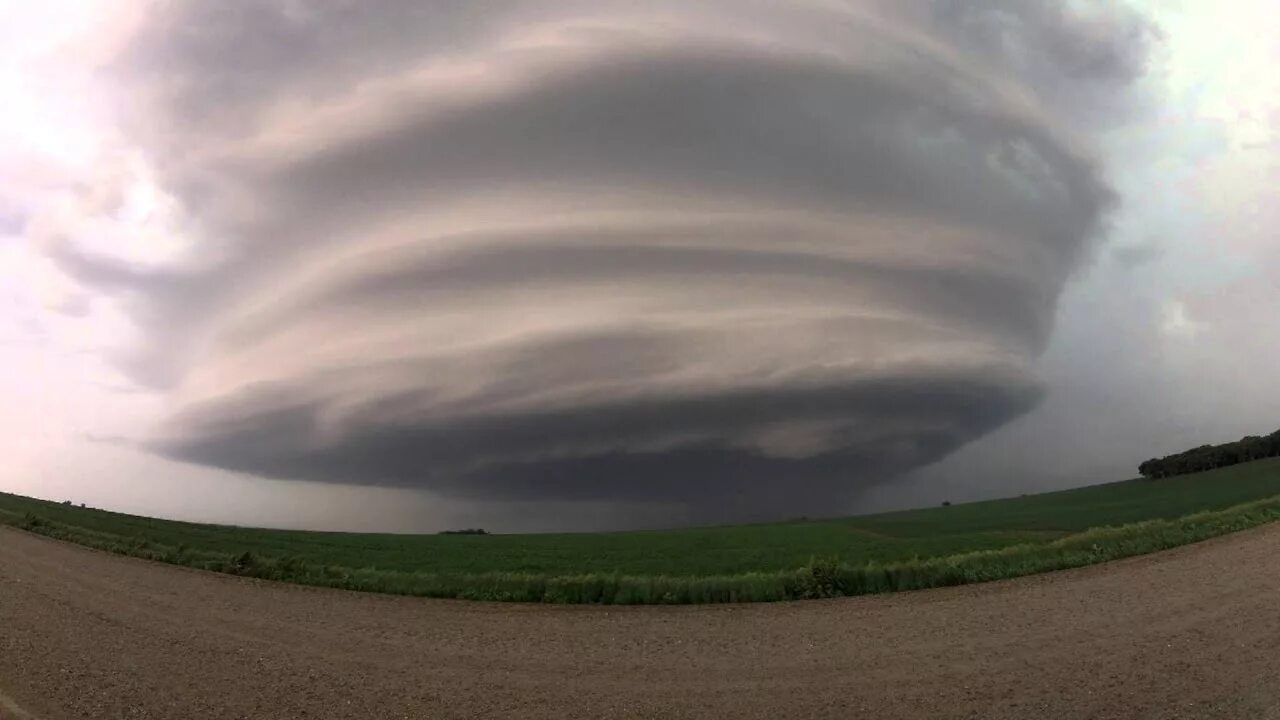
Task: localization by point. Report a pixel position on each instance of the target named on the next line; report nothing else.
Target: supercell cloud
(744, 255)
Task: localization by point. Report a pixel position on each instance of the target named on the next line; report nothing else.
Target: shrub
(243, 562)
(820, 578)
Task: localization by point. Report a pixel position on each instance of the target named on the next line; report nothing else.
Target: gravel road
(1189, 633)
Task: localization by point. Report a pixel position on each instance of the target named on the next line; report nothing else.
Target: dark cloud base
(703, 474)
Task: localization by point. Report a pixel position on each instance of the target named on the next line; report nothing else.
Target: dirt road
(1191, 633)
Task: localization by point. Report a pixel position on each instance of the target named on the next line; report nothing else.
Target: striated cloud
(744, 255)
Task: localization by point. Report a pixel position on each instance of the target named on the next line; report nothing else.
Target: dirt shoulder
(1189, 633)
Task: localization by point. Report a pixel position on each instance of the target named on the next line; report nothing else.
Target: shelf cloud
(742, 255)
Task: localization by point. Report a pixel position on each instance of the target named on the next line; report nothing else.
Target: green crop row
(819, 578)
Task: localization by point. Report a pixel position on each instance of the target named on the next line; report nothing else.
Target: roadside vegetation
(934, 547)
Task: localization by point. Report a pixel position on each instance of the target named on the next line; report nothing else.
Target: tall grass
(820, 578)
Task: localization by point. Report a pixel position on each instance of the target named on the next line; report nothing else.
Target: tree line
(1208, 457)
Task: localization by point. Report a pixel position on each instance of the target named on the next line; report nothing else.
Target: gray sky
(536, 265)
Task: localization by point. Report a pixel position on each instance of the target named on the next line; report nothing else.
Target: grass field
(919, 548)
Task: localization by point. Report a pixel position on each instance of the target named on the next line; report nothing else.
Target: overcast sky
(407, 265)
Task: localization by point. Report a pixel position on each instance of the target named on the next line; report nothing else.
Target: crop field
(873, 553)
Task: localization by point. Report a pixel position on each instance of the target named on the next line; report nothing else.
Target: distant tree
(1209, 457)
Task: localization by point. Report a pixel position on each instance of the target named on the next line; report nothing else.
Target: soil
(1189, 633)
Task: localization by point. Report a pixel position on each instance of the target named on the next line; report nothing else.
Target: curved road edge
(1190, 633)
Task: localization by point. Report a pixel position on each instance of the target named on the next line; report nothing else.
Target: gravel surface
(1189, 633)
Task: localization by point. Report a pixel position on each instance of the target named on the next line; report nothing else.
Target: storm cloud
(745, 255)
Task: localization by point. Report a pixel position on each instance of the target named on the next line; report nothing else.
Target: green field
(1006, 537)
